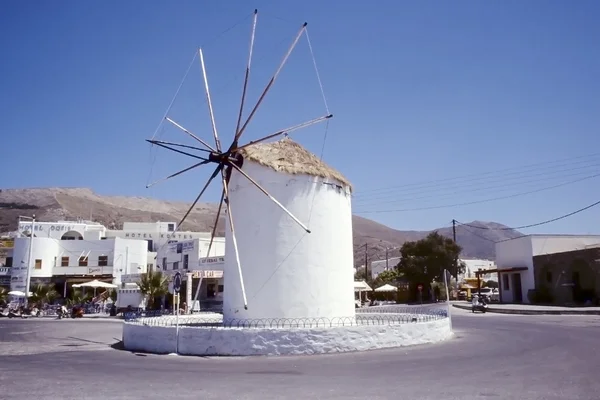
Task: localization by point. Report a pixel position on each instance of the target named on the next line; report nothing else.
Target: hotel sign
(207, 274)
(7, 243)
(94, 270)
(138, 235)
(212, 260)
(53, 228)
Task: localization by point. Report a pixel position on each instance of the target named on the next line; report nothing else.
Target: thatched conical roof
(287, 156)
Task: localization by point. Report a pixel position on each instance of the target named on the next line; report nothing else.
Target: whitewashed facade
(288, 272)
(377, 267)
(515, 258)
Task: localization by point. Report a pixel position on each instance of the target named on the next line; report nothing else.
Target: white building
(514, 259)
(377, 267)
(288, 272)
(473, 265)
(68, 252)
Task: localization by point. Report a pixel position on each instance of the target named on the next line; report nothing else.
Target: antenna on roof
(228, 159)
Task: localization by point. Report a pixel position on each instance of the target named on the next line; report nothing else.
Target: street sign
(177, 282)
(420, 287)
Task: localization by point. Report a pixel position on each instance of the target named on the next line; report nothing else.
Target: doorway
(516, 288)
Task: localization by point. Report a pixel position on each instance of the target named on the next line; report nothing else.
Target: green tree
(424, 261)
(42, 294)
(154, 285)
(78, 297)
(386, 277)
(3, 296)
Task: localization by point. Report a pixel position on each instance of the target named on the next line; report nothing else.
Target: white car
(489, 294)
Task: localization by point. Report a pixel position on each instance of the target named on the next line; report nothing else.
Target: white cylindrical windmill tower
(287, 272)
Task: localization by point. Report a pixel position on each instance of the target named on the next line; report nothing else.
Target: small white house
(514, 260)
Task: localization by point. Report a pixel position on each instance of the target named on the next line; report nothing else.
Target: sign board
(207, 274)
(7, 243)
(177, 282)
(212, 260)
(131, 278)
(420, 287)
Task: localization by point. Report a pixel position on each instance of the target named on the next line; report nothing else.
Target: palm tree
(3, 296)
(153, 284)
(77, 298)
(43, 294)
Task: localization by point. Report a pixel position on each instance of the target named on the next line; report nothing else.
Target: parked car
(489, 294)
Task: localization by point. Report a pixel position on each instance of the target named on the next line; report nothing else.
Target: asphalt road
(493, 356)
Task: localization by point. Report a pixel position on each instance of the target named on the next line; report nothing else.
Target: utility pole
(366, 265)
(387, 259)
(30, 265)
(455, 258)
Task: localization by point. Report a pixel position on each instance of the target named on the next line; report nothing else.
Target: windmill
(227, 159)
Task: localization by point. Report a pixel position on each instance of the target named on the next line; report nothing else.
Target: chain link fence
(377, 315)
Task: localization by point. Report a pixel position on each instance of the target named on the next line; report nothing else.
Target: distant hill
(51, 204)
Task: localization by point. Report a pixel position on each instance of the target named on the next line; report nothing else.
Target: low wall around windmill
(202, 336)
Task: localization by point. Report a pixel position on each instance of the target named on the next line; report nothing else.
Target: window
(164, 266)
(186, 259)
(176, 265)
(9, 261)
(171, 227)
(83, 261)
(505, 282)
(549, 277)
(102, 261)
(179, 248)
(150, 245)
(220, 288)
(38, 264)
(64, 261)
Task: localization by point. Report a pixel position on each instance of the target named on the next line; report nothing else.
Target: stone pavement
(530, 309)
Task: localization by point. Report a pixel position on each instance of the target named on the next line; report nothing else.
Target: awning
(361, 285)
(500, 270)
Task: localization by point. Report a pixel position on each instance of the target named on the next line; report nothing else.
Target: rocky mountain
(51, 204)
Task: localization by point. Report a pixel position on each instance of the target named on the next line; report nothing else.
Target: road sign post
(447, 277)
(176, 290)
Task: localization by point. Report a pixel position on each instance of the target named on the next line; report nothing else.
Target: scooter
(479, 306)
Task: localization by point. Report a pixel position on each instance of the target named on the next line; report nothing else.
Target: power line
(486, 175)
(536, 224)
(481, 201)
(475, 189)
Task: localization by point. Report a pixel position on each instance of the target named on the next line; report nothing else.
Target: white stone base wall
(280, 341)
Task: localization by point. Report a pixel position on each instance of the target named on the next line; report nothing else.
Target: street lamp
(30, 266)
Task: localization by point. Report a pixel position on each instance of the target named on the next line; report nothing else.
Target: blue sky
(421, 91)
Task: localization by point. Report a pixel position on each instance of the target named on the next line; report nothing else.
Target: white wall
(519, 252)
(195, 249)
(474, 264)
(157, 232)
(287, 272)
(271, 342)
(51, 251)
(88, 230)
(377, 267)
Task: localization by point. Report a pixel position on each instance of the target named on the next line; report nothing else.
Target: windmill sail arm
(270, 83)
(273, 199)
(287, 130)
(190, 133)
(209, 102)
(234, 242)
(185, 153)
(177, 173)
(247, 75)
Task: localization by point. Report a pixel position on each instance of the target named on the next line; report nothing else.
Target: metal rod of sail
(271, 81)
(212, 237)
(190, 133)
(234, 241)
(214, 174)
(176, 151)
(273, 199)
(185, 146)
(287, 130)
(239, 121)
(177, 173)
(209, 101)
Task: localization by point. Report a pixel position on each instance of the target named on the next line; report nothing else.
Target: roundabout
(491, 356)
(207, 334)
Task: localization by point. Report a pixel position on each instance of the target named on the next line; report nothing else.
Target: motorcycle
(479, 305)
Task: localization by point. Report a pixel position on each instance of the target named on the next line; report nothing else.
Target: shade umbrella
(387, 288)
(96, 284)
(18, 293)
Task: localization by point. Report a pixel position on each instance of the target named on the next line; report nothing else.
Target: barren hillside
(51, 204)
